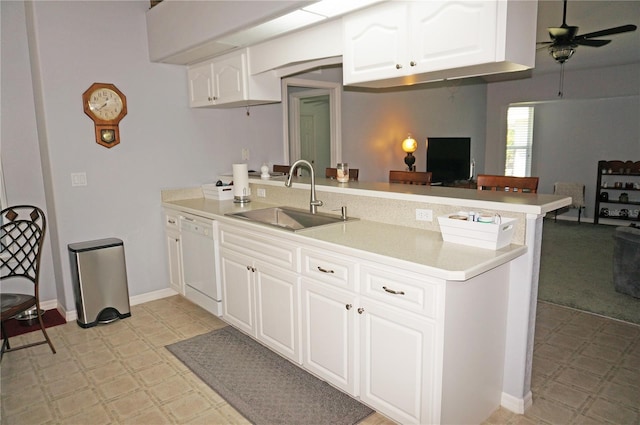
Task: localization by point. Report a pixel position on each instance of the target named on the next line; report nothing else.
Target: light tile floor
(586, 370)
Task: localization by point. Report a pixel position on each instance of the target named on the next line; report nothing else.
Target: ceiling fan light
(561, 53)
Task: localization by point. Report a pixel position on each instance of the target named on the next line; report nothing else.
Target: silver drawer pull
(172, 221)
(325, 270)
(349, 306)
(360, 310)
(391, 291)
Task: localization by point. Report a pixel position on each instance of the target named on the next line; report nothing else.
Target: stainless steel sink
(287, 218)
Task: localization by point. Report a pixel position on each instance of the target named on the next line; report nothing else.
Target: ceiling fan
(565, 40)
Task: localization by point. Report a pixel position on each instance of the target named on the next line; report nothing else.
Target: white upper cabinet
(401, 43)
(201, 79)
(376, 43)
(225, 82)
(184, 32)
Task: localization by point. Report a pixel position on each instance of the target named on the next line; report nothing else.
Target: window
(519, 141)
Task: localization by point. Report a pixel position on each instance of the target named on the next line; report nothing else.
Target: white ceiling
(590, 16)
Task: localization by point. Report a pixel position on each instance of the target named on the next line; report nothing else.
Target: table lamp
(409, 145)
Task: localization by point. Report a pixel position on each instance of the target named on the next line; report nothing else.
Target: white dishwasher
(200, 270)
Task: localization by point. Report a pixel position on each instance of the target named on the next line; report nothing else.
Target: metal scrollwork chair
(22, 229)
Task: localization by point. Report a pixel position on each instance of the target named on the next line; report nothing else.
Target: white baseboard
(72, 315)
(516, 405)
(48, 305)
(152, 296)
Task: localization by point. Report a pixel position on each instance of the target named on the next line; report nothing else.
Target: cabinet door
(230, 79)
(447, 34)
(173, 257)
(328, 333)
(397, 363)
(376, 43)
(277, 309)
(201, 90)
(237, 291)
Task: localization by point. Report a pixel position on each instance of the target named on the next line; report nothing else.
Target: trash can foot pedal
(108, 315)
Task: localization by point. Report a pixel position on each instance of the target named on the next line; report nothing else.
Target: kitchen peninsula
(454, 347)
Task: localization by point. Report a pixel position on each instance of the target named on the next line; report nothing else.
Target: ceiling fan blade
(609, 31)
(592, 43)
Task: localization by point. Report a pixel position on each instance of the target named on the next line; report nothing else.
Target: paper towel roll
(241, 180)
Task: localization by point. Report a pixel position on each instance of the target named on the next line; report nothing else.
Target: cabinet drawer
(270, 249)
(171, 219)
(406, 290)
(337, 270)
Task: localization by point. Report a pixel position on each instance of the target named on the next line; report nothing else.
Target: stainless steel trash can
(99, 276)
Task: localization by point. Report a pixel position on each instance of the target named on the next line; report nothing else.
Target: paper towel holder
(241, 188)
(241, 199)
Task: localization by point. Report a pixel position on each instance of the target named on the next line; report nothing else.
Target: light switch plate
(78, 179)
(424, 215)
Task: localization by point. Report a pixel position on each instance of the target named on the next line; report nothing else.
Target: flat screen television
(449, 159)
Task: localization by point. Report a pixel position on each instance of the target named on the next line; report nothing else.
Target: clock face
(105, 104)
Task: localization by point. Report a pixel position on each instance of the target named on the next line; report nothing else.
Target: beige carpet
(576, 270)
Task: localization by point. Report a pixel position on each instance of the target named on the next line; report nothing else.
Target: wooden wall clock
(106, 106)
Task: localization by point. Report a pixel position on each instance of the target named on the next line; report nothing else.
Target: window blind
(519, 141)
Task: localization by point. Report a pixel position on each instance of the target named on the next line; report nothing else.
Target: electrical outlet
(245, 154)
(78, 179)
(424, 215)
(262, 193)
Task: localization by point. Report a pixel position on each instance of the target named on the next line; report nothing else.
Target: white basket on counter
(217, 193)
(474, 233)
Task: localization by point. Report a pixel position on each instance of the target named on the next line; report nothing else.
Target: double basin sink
(288, 218)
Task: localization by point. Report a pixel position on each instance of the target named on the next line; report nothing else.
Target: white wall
(167, 144)
(164, 142)
(597, 119)
(19, 139)
(374, 124)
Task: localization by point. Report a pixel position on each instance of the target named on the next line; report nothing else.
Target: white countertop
(421, 250)
(530, 203)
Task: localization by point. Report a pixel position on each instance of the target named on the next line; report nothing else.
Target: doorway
(310, 128)
(312, 123)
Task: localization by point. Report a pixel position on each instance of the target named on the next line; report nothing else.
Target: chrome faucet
(313, 203)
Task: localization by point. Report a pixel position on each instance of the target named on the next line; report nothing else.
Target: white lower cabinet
(382, 355)
(397, 362)
(174, 254)
(276, 295)
(329, 333)
(417, 349)
(259, 298)
(238, 306)
(371, 348)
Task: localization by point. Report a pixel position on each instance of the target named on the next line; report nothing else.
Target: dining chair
(508, 183)
(575, 191)
(281, 169)
(22, 233)
(332, 173)
(410, 177)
